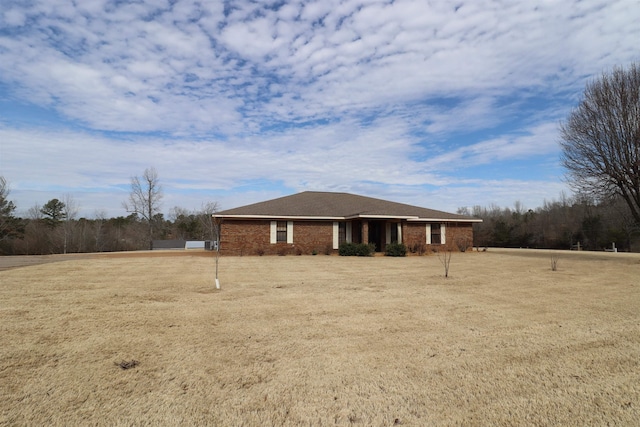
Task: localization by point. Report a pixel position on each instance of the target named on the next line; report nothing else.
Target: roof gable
(315, 204)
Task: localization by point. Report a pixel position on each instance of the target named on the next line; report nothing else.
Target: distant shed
(159, 245)
(194, 244)
(176, 244)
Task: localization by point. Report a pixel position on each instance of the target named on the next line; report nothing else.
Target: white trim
(414, 219)
(443, 238)
(273, 238)
(289, 232)
(281, 217)
(336, 234)
(428, 227)
(365, 216)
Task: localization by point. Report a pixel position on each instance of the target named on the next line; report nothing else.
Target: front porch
(380, 232)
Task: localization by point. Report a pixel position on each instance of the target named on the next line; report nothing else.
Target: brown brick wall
(309, 236)
(244, 237)
(457, 237)
(239, 237)
(414, 237)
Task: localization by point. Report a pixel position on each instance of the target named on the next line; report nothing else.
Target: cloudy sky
(436, 103)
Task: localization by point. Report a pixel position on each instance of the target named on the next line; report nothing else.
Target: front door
(377, 234)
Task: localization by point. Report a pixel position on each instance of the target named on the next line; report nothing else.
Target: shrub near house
(356, 249)
(396, 249)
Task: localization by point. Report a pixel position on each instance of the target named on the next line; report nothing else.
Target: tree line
(56, 228)
(566, 223)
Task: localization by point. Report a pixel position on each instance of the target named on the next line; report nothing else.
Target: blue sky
(435, 103)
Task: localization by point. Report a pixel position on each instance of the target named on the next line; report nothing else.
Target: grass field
(322, 340)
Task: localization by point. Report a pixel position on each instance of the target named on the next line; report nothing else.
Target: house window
(436, 237)
(342, 232)
(281, 231)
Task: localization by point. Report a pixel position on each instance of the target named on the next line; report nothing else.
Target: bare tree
(601, 138)
(185, 223)
(618, 215)
(144, 199)
(34, 213)
(445, 260)
(37, 233)
(100, 221)
(208, 223)
(69, 213)
(211, 227)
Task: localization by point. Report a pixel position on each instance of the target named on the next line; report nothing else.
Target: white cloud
(331, 94)
(540, 140)
(14, 17)
(341, 156)
(331, 54)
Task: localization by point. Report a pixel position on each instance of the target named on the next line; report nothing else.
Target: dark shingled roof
(336, 205)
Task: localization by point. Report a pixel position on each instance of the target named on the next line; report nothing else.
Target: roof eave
(350, 217)
(367, 216)
(445, 220)
(282, 217)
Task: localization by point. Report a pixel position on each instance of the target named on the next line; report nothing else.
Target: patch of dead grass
(322, 341)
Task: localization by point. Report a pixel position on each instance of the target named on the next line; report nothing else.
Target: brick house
(318, 222)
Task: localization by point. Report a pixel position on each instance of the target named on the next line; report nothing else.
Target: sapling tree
(217, 222)
(69, 212)
(445, 260)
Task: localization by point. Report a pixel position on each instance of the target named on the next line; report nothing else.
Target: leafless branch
(601, 138)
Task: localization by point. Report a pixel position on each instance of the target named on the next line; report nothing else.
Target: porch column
(365, 231)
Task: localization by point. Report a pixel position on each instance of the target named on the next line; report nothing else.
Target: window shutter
(399, 232)
(388, 232)
(289, 231)
(428, 234)
(336, 233)
(273, 238)
(349, 232)
(443, 239)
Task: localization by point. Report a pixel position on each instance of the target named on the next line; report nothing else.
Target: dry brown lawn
(322, 340)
